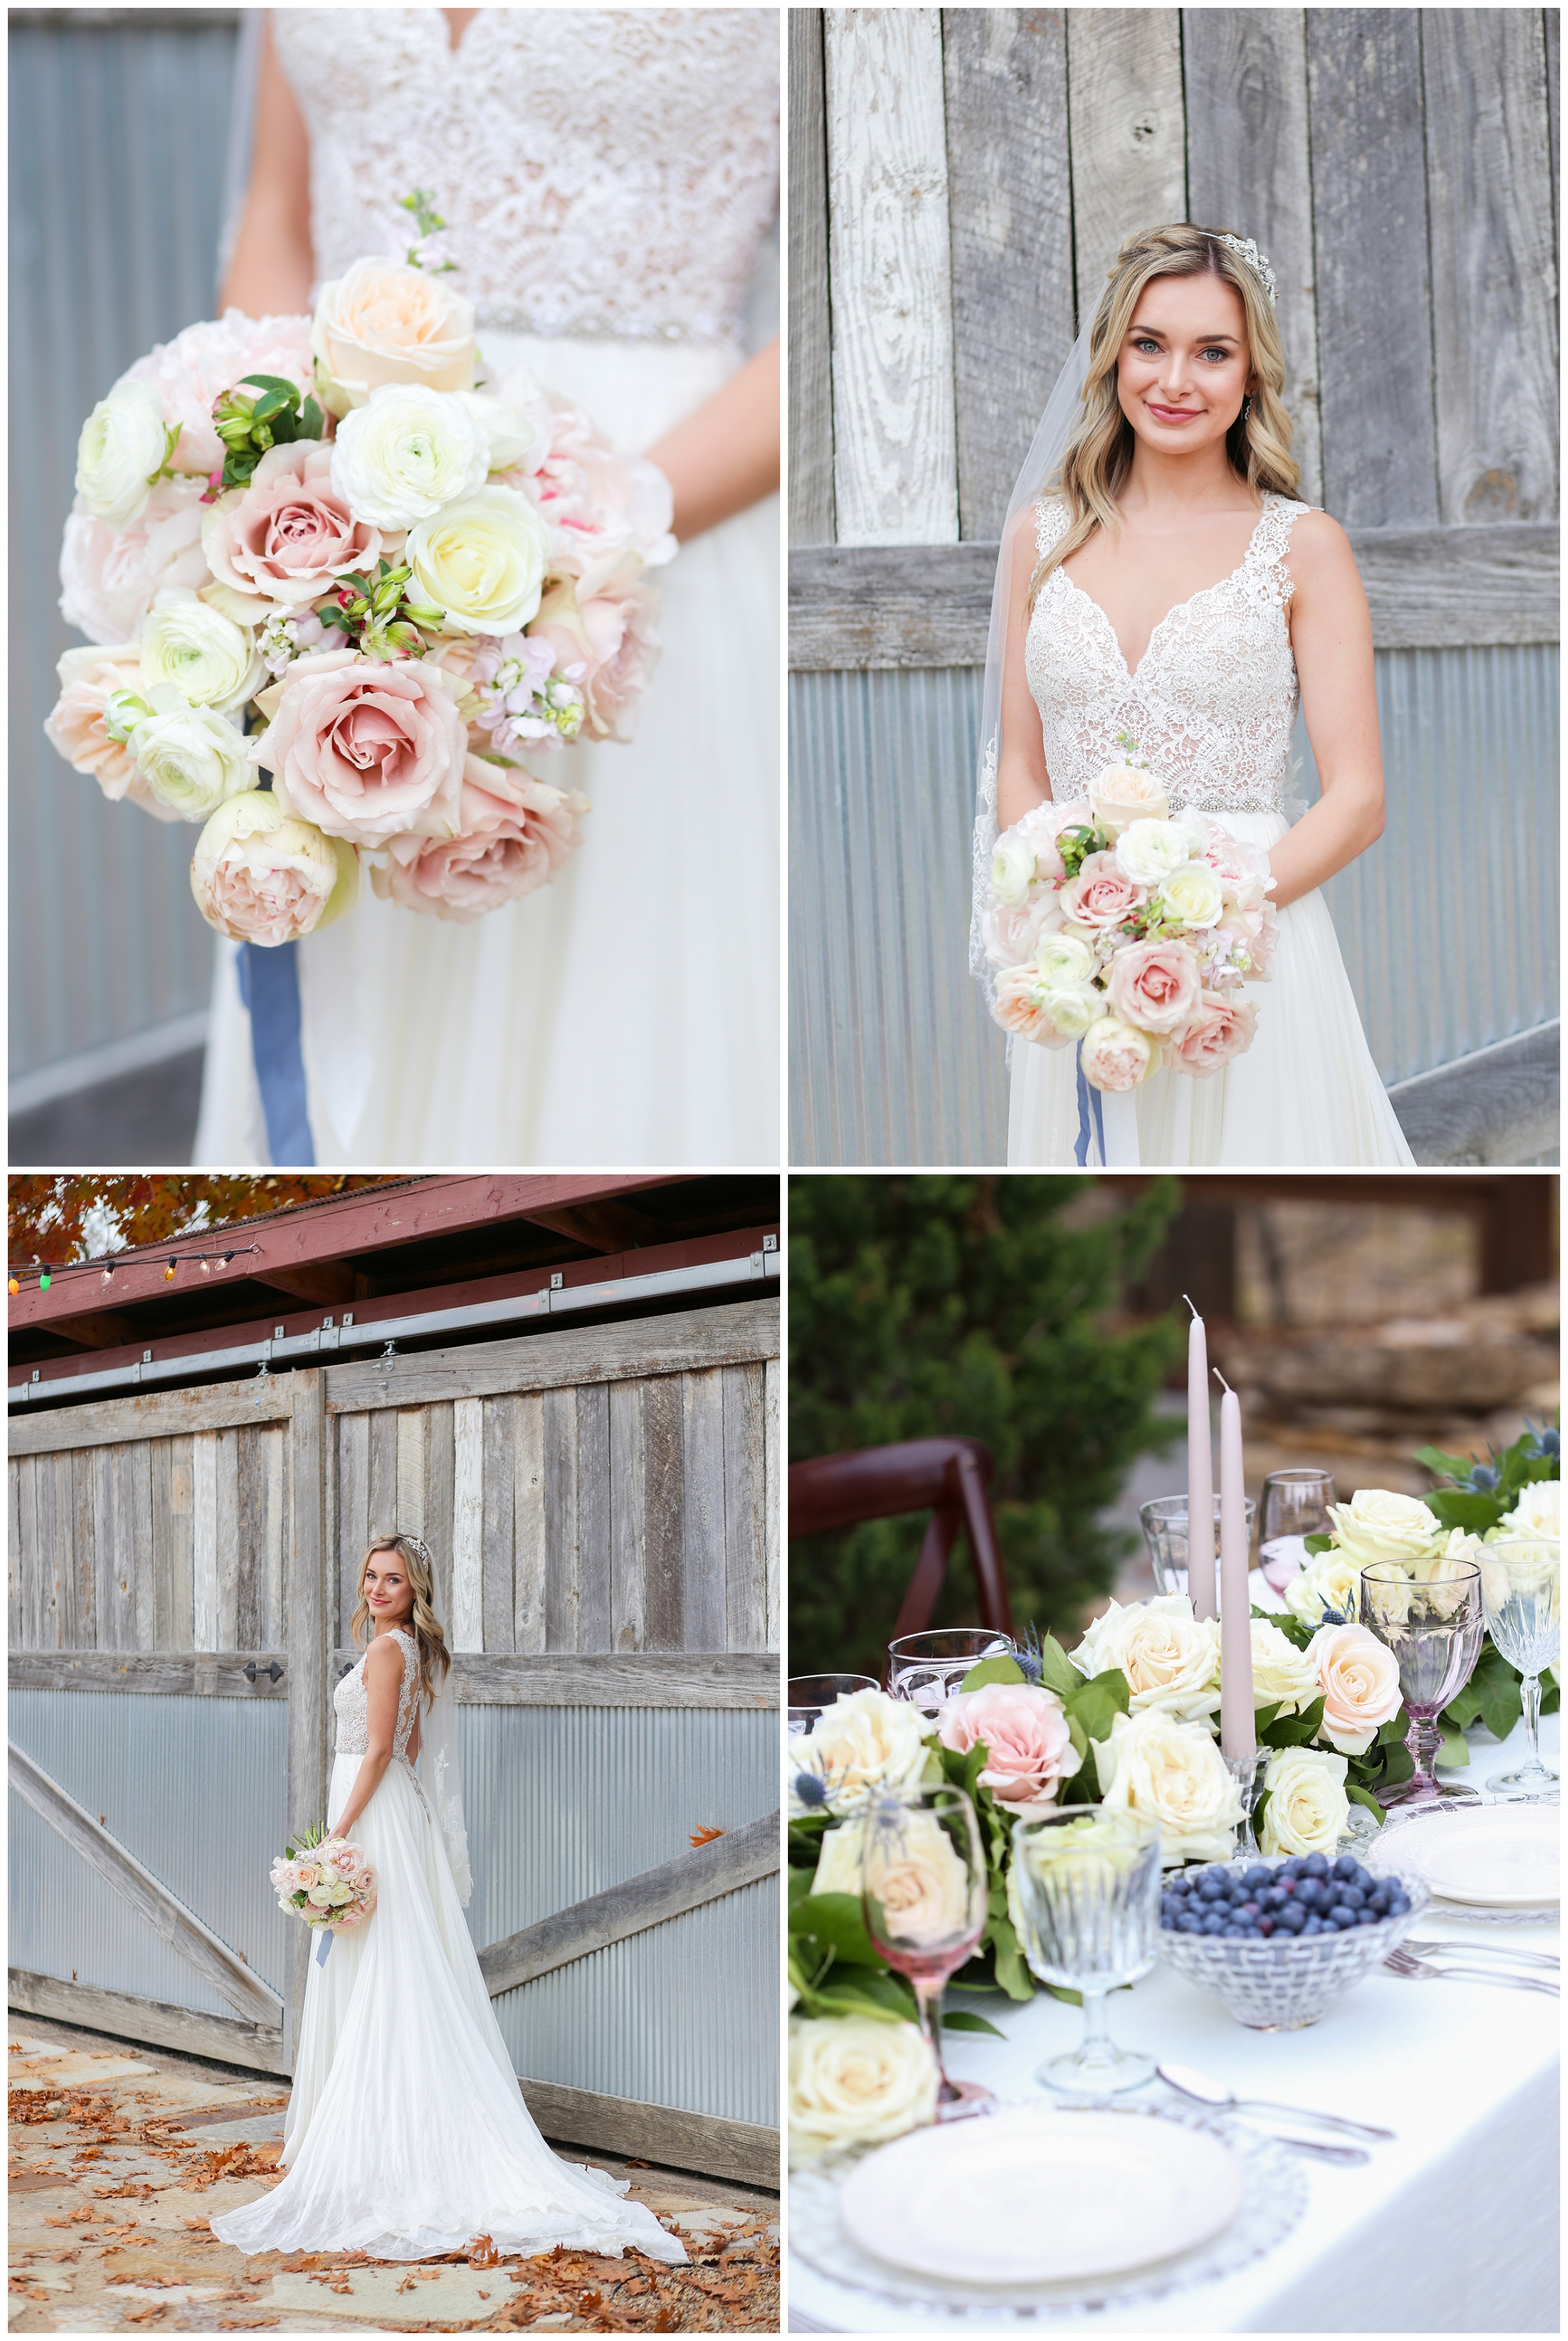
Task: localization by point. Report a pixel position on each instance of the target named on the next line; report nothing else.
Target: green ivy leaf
(1295, 1731)
(1452, 1750)
(965, 2020)
(1317, 1542)
(1360, 1795)
(1455, 1510)
(1098, 1701)
(1057, 1671)
(835, 1921)
(1002, 1670)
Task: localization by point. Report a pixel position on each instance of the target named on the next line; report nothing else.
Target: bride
(406, 2135)
(1160, 581)
(606, 178)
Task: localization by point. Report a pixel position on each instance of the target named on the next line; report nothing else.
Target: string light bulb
(45, 1280)
(169, 1272)
(13, 1284)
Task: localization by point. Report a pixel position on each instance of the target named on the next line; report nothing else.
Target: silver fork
(1418, 1943)
(1402, 1962)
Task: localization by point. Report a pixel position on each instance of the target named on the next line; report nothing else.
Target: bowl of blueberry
(1280, 1941)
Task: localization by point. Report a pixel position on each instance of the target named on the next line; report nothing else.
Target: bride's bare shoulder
(1319, 553)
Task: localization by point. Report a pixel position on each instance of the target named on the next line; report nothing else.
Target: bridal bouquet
(326, 1881)
(1128, 932)
(310, 548)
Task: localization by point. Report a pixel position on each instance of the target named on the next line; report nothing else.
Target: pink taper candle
(1200, 1473)
(1238, 1742)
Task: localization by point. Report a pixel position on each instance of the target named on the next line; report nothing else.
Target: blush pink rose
(1155, 985)
(515, 833)
(366, 748)
(598, 506)
(1359, 1679)
(75, 724)
(285, 539)
(1028, 1747)
(1117, 1056)
(1099, 896)
(191, 373)
(110, 576)
(1018, 1009)
(1222, 1030)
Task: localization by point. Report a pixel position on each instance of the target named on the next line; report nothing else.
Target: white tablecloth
(1451, 2229)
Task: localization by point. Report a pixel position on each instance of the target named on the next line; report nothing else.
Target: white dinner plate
(1037, 2196)
(1496, 1856)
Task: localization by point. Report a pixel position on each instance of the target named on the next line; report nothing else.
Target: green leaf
(312, 422)
(1453, 1752)
(1295, 1731)
(1003, 1670)
(966, 2021)
(1398, 1764)
(1263, 1717)
(1012, 1967)
(1491, 1697)
(975, 1763)
(273, 381)
(1447, 1467)
(1317, 1542)
(836, 1921)
(1057, 1671)
(1098, 1701)
(1079, 1738)
(1474, 1514)
(1360, 1795)
(1259, 1809)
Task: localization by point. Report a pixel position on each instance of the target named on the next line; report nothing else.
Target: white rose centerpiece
(1171, 1659)
(864, 1742)
(855, 2081)
(1172, 1772)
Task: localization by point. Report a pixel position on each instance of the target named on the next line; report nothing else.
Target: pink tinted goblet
(924, 1889)
(1429, 1614)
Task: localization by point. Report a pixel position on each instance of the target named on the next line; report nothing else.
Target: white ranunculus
(1195, 828)
(1073, 1007)
(1359, 1679)
(1149, 851)
(122, 445)
(1377, 1525)
(320, 1895)
(509, 433)
(1194, 895)
(1536, 1511)
(1062, 960)
(1307, 1808)
(191, 759)
(1331, 1580)
(1281, 1673)
(1171, 1659)
(853, 2080)
(868, 1741)
(1012, 870)
(482, 561)
(210, 661)
(407, 454)
(1171, 1772)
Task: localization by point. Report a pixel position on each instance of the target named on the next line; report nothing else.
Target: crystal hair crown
(1256, 262)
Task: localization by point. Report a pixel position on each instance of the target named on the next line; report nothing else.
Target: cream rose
(406, 455)
(482, 561)
(1192, 895)
(1282, 1674)
(1171, 1659)
(853, 2080)
(1173, 1773)
(1021, 1007)
(210, 661)
(1148, 852)
(1359, 1679)
(1331, 1580)
(510, 433)
(1537, 1512)
(1011, 870)
(259, 876)
(1377, 1525)
(189, 759)
(1123, 793)
(1307, 1808)
(927, 1893)
(123, 444)
(869, 1741)
(383, 322)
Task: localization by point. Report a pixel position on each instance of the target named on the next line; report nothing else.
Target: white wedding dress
(607, 178)
(407, 2133)
(1212, 706)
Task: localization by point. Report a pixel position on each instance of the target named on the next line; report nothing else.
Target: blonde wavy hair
(1099, 454)
(424, 1626)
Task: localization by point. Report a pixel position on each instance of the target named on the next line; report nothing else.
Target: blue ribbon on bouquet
(1088, 1103)
(269, 986)
(323, 1948)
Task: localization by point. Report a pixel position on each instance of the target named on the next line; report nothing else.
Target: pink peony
(1028, 1747)
(614, 634)
(1117, 1056)
(515, 833)
(191, 373)
(598, 506)
(1242, 867)
(1045, 822)
(1099, 896)
(365, 748)
(75, 724)
(1264, 924)
(1222, 1029)
(1154, 986)
(1018, 1009)
(1012, 934)
(109, 576)
(287, 537)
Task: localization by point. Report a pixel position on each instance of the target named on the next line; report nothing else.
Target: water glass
(1429, 1614)
(927, 1668)
(1089, 1886)
(1294, 1505)
(924, 1886)
(809, 1694)
(1522, 1594)
(1164, 1525)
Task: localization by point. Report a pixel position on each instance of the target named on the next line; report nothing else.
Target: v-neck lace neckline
(1133, 673)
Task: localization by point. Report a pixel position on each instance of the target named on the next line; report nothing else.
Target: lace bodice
(350, 1702)
(601, 171)
(1213, 702)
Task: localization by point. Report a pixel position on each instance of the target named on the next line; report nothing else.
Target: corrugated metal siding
(575, 1800)
(117, 138)
(1449, 928)
(195, 1788)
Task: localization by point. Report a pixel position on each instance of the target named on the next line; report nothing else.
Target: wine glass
(808, 1695)
(1294, 1505)
(1522, 1594)
(1165, 1523)
(1429, 1614)
(923, 1886)
(927, 1668)
(1089, 1885)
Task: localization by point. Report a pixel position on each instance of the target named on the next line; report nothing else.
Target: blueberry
(1248, 1909)
(1293, 1918)
(1378, 1901)
(1289, 1886)
(1341, 1918)
(1366, 1918)
(1315, 1865)
(1213, 1923)
(1177, 1885)
(1258, 1875)
(1399, 1906)
(1354, 1898)
(1313, 1925)
(1188, 1925)
(1266, 1925)
(1275, 1898)
(1346, 1867)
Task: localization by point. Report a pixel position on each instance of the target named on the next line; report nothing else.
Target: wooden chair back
(951, 1476)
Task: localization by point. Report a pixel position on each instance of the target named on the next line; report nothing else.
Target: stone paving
(119, 2157)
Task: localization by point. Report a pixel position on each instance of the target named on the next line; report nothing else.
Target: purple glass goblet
(1429, 1613)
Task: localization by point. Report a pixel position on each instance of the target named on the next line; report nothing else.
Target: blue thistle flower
(811, 1790)
(1029, 1656)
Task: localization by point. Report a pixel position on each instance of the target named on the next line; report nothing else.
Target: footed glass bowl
(1285, 1984)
